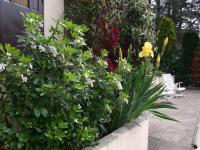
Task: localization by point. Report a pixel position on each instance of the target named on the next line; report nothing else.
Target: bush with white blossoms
(54, 93)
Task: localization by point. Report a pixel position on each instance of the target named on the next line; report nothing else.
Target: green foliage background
(189, 45)
(134, 18)
(167, 28)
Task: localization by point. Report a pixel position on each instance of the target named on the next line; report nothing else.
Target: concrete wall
(53, 10)
(133, 136)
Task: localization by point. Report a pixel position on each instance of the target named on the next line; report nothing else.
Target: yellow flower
(146, 50)
(166, 41)
(158, 60)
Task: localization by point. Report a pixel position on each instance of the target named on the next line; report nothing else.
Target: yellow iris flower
(146, 50)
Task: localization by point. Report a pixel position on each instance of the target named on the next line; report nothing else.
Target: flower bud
(120, 53)
(166, 41)
(158, 60)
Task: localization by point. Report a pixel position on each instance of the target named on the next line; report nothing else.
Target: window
(22, 2)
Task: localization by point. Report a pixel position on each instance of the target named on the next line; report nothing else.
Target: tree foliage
(185, 13)
(166, 29)
(189, 45)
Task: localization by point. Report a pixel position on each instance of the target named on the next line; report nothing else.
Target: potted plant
(55, 94)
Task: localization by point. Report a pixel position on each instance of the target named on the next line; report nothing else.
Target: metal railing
(196, 136)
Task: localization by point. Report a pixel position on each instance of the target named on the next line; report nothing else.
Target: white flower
(42, 49)
(2, 67)
(41, 24)
(80, 32)
(30, 66)
(20, 64)
(33, 46)
(28, 72)
(80, 41)
(119, 85)
(90, 82)
(76, 120)
(9, 55)
(24, 79)
(53, 51)
(31, 20)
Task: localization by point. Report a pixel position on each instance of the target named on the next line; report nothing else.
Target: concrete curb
(133, 136)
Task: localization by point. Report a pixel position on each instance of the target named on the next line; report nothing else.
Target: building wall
(53, 10)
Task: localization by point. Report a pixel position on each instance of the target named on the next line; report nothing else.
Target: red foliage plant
(111, 65)
(110, 37)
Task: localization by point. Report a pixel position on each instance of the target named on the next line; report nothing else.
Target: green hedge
(189, 45)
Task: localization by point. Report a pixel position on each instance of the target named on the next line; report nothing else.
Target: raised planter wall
(53, 10)
(133, 136)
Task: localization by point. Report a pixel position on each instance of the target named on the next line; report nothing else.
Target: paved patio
(167, 135)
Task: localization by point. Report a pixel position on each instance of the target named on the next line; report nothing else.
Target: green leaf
(70, 51)
(104, 52)
(163, 116)
(25, 59)
(44, 112)
(161, 105)
(87, 55)
(36, 81)
(20, 145)
(37, 112)
(79, 86)
(2, 48)
(70, 77)
(14, 51)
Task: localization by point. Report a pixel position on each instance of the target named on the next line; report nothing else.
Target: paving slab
(168, 135)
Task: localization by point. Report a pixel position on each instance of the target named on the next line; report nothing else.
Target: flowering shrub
(55, 94)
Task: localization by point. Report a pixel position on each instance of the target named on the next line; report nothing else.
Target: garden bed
(133, 136)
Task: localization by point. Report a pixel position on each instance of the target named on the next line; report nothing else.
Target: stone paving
(167, 135)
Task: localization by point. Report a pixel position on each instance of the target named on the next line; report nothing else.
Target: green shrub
(166, 28)
(55, 94)
(189, 45)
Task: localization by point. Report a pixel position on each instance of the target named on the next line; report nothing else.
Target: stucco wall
(133, 136)
(53, 10)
